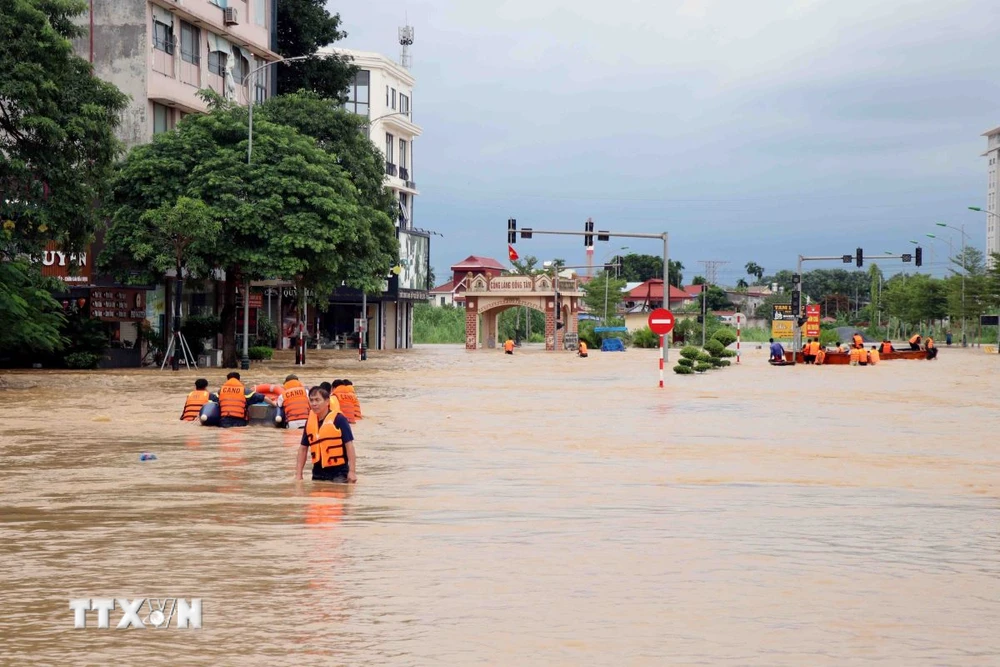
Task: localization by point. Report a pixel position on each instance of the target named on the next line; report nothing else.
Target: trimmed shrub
(715, 348)
(724, 362)
(82, 360)
(686, 362)
(725, 335)
(683, 370)
(716, 362)
(260, 352)
(704, 357)
(703, 366)
(728, 353)
(690, 352)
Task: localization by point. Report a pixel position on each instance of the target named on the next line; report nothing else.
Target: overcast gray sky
(748, 129)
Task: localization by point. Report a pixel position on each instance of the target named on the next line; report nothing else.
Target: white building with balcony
(992, 155)
(161, 52)
(382, 91)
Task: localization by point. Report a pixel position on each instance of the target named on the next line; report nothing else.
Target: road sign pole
(737, 341)
(661, 361)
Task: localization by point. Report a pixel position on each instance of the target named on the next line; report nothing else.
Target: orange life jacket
(334, 405)
(346, 405)
(583, 347)
(233, 400)
(854, 354)
(914, 338)
(874, 357)
(355, 401)
(192, 406)
(508, 346)
(326, 445)
(886, 348)
(930, 343)
(814, 348)
(858, 341)
(295, 401)
(820, 356)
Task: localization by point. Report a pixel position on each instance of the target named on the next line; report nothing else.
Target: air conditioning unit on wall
(229, 16)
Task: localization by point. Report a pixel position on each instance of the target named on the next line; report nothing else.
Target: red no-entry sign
(661, 321)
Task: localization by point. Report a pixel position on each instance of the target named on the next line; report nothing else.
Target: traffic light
(802, 320)
(603, 235)
(588, 239)
(907, 257)
(847, 259)
(796, 302)
(526, 233)
(859, 257)
(558, 311)
(559, 325)
(511, 231)
(919, 257)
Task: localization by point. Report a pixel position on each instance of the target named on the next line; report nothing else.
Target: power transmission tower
(711, 273)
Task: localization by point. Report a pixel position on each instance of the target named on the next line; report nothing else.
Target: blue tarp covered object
(612, 345)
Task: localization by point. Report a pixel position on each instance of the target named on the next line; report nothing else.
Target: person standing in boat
(915, 341)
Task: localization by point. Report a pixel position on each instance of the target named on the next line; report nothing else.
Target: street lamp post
(606, 280)
(964, 270)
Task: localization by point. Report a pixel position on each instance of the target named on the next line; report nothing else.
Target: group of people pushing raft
(813, 352)
(291, 398)
(324, 412)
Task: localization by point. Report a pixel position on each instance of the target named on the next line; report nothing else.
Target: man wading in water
(329, 441)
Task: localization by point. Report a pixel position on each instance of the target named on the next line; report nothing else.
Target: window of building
(241, 67)
(442, 301)
(358, 93)
(402, 152)
(163, 37)
(189, 44)
(404, 103)
(217, 62)
(387, 95)
(388, 148)
(161, 118)
(393, 98)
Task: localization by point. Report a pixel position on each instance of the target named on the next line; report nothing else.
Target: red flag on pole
(511, 253)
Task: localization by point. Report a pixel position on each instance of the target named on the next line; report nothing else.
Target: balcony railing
(390, 168)
(404, 173)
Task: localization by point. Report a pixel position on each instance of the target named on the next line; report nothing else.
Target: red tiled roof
(653, 289)
(477, 262)
(444, 288)
(694, 289)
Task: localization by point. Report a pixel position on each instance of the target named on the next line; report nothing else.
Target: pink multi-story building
(161, 52)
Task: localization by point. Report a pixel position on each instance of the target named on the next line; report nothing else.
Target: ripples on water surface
(539, 509)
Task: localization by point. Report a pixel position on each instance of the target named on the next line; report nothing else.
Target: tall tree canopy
(57, 122)
(303, 27)
(293, 213)
(57, 149)
(640, 268)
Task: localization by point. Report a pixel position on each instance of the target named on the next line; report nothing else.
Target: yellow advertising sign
(782, 329)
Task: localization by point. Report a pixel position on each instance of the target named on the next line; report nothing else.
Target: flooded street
(534, 509)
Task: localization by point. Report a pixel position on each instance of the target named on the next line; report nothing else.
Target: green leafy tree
(594, 293)
(698, 280)
(293, 213)
(756, 270)
(303, 27)
(57, 149)
(640, 268)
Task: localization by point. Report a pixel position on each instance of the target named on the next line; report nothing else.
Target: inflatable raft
(260, 415)
(844, 358)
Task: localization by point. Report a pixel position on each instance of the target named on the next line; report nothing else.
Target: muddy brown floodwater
(534, 509)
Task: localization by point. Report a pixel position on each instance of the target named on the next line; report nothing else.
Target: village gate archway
(486, 297)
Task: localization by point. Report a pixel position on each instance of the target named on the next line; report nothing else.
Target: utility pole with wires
(711, 273)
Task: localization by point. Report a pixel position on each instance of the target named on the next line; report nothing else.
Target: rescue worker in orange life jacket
(508, 347)
(234, 400)
(887, 347)
(582, 349)
(295, 403)
(873, 355)
(931, 348)
(915, 342)
(859, 342)
(196, 399)
(329, 442)
(334, 401)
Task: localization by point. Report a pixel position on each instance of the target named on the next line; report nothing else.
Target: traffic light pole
(527, 232)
